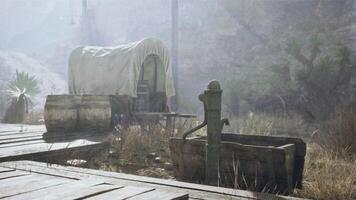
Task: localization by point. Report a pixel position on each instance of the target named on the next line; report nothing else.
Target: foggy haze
(256, 95)
(217, 39)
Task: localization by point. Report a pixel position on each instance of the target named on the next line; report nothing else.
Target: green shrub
(24, 84)
(22, 89)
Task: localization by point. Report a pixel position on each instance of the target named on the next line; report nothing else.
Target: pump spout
(201, 98)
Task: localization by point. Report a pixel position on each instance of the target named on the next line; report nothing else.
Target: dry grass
(256, 125)
(137, 151)
(138, 146)
(328, 176)
(339, 134)
(260, 124)
(330, 167)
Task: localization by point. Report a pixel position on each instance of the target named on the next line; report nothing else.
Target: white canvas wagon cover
(116, 70)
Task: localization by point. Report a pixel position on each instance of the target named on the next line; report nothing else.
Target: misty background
(241, 43)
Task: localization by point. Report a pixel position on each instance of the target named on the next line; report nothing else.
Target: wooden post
(174, 52)
(212, 100)
(88, 34)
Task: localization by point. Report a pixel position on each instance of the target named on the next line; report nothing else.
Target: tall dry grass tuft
(261, 124)
(135, 145)
(135, 150)
(256, 125)
(339, 134)
(328, 176)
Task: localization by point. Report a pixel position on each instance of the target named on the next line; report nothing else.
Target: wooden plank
(55, 169)
(153, 195)
(123, 193)
(20, 134)
(54, 136)
(23, 184)
(62, 171)
(43, 147)
(92, 191)
(57, 156)
(8, 128)
(52, 144)
(70, 190)
(46, 169)
(17, 140)
(5, 169)
(50, 140)
(22, 144)
(12, 174)
(195, 190)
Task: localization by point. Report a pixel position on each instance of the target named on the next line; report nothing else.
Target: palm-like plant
(22, 89)
(24, 84)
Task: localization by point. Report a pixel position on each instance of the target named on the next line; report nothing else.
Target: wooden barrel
(95, 113)
(61, 113)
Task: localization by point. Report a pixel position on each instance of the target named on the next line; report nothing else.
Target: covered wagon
(107, 83)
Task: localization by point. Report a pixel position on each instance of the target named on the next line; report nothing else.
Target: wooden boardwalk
(35, 180)
(31, 142)
(39, 180)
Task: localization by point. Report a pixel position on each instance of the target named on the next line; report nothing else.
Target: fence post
(212, 100)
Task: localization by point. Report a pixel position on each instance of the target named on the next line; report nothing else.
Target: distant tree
(22, 89)
(323, 78)
(291, 58)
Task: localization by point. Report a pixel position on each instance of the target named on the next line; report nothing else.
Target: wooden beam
(174, 51)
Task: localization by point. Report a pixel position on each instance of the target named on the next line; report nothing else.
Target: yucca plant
(22, 90)
(24, 84)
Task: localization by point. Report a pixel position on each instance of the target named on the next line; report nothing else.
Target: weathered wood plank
(29, 142)
(195, 190)
(65, 171)
(161, 196)
(23, 184)
(60, 155)
(92, 191)
(55, 171)
(43, 147)
(122, 193)
(4, 136)
(21, 144)
(54, 136)
(25, 140)
(5, 169)
(71, 190)
(20, 128)
(12, 174)
(46, 169)
(4, 139)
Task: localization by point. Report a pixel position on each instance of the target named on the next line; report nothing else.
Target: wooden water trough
(262, 163)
